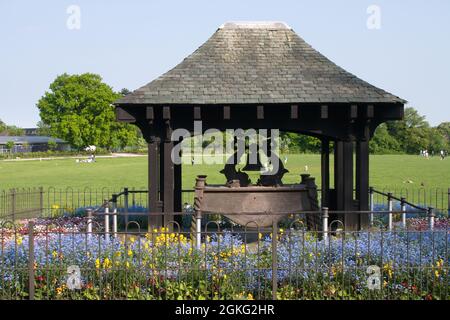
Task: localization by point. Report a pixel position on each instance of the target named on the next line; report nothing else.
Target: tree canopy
(78, 109)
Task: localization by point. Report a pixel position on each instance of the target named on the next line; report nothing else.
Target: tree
(6, 130)
(78, 109)
(43, 129)
(2, 127)
(412, 132)
(383, 142)
(10, 145)
(52, 145)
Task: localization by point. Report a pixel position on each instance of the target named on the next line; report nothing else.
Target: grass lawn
(386, 171)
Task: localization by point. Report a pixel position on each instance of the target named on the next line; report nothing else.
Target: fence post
(325, 223)
(448, 206)
(114, 203)
(372, 206)
(403, 209)
(390, 208)
(125, 203)
(106, 219)
(13, 204)
(89, 220)
(41, 200)
(31, 260)
(274, 259)
(198, 229)
(431, 218)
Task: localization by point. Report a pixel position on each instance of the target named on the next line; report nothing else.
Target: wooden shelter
(263, 75)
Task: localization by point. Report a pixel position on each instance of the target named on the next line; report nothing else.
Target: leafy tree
(78, 109)
(52, 145)
(43, 129)
(412, 132)
(383, 142)
(10, 145)
(2, 127)
(6, 130)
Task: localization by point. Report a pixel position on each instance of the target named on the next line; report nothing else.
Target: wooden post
(325, 168)
(344, 183)
(338, 174)
(362, 181)
(168, 172)
(153, 183)
(178, 195)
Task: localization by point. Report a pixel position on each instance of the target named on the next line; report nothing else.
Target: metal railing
(50, 202)
(284, 261)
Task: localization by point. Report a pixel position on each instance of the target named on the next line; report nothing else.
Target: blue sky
(129, 43)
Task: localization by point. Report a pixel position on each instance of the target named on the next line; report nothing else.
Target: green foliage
(52, 145)
(10, 145)
(78, 109)
(6, 130)
(294, 142)
(382, 142)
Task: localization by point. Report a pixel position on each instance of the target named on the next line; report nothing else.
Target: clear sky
(129, 43)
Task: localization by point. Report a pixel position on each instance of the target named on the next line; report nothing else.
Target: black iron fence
(286, 261)
(52, 202)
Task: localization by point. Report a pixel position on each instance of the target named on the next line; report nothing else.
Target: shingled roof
(257, 63)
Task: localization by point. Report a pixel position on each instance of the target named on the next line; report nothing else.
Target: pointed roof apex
(271, 25)
(258, 62)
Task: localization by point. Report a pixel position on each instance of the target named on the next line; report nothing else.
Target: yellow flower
(107, 263)
(260, 236)
(127, 264)
(130, 252)
(250, 297)
(436, 274)
(97, 263)
(54, 254)
(19, 240)
(132, 239)
(281, 230)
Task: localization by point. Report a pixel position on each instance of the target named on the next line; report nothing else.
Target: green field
(386, 171)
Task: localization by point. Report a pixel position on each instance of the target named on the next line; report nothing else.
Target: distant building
(30, 131)
(31, 143)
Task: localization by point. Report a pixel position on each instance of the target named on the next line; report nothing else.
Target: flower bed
(165, 265)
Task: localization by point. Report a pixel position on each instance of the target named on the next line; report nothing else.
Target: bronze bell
(252, 166)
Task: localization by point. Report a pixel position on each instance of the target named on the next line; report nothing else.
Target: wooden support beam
(362, 180)
(226, 113)
(294, 111)
(325, 169)
(260, 112)
(197, 113)
(153, 183)
(339, 174)
(168, 176)
(370, 112)
(150, 113)
(353, 111)
(166, 113)
(324, 112)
